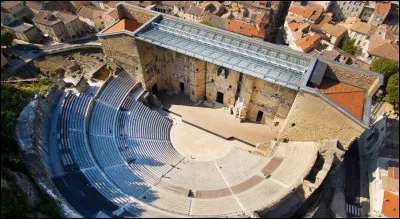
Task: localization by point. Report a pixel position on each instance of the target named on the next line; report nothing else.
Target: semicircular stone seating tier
(126, 153)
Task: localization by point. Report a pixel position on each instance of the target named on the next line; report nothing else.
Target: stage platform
(217, 121)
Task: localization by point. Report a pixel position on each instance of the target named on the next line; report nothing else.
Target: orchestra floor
(217, 121)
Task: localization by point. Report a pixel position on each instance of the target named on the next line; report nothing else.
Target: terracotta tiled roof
(383, 48)
(113, 12)
(124, 24)
(312, 13)
(217, 21)
(34, 5)
(308, 41)
(90, 12)
(383, 44)
(9, 4)
(302, 11)
(195, 10)
(334, 30)
(45, 18)
(65, 17)
(245, 29)
(112, 4)
(330, 54)
(390, 206)
(298, 26)
(326, 18)
(349, 97)
(361, 27)
(204, 4)
(382, 7)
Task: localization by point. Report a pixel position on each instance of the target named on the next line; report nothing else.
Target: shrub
(392, 90)
(6, 37)
(384, 66)
(348, 46)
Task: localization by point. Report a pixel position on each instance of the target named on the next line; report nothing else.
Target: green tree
(392, 90)
(6, 37)
(385, 66)
(348, 46)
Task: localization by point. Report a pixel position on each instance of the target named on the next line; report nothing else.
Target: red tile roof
(383, 48)
(294, 26)
(349, 97)
(124, 24)
(382, 7)
(308, 41)
(312, 13)
(245, 29)
(390, 206)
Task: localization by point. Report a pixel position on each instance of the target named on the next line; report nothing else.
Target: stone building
(23, 31)
(361, 32)
(344, 9)
(334, 32)
(13, 11)
(94, 18)
(256, 80)
(60, 26)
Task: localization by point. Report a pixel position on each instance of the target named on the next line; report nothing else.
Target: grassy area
(14, 97)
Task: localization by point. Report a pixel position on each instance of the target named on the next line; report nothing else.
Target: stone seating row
(115, 92)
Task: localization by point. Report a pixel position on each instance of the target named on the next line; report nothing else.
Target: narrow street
(352, 177)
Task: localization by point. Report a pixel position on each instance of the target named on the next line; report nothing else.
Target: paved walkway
(217, 121)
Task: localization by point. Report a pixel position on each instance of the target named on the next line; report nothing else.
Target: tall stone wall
(272, 99)
(312, 119)
(197, 79)
(227, 86)
(122, 48)
(141, 16)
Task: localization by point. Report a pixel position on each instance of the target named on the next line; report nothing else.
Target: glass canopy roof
(278, 65)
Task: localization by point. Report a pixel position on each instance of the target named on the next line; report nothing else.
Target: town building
(307, 42)
(58, 25)
(345, 9)
(380, 150)
(13, 11)
(194, 13)
(381, 11)
(247, 29)
(295, 29)
(383, 43)
(310, 12)
(368, 11)
(216, 21)
(62, 6)
(92, 17)
(23, 31)
(361, 33)
(334, 32)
